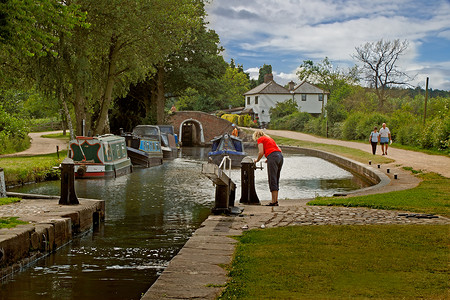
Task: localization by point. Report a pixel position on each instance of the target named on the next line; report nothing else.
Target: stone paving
(197, 271)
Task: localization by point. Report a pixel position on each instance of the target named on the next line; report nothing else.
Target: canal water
(150, 214)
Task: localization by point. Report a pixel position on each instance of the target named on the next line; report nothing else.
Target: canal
(150, 214)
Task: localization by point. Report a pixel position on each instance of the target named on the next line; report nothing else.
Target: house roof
(308, 88)
(270, 87)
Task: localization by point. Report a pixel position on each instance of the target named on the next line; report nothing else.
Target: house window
(303, 97)
(248, 100)
(256, 99)
(320, 97)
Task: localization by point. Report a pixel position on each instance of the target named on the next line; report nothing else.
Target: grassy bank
(341, 262)
(20, 170)
(432, 196)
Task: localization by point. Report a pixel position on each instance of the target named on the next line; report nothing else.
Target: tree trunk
(159, 97)
(80, 110)
(102, 122)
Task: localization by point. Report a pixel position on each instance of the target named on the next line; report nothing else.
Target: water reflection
(150, 214)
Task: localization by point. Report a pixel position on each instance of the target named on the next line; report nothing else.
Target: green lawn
(342, 262)
(9, 222)
(19, 170)
(432, 196)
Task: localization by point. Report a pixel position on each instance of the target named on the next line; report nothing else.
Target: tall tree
(380, 65)
(265, 69)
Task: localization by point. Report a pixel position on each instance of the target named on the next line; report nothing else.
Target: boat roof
(100, 138)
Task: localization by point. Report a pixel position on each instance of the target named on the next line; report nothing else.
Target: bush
(367, 123)
(317, 126)
(349, 126)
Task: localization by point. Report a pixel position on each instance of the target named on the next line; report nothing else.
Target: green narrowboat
(99, 156)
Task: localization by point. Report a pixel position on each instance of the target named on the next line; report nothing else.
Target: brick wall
(212, 125)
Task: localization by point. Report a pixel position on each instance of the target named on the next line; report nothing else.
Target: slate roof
(268, 88)
(308, 88)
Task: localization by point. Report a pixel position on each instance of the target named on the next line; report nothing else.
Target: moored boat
(168, 141)
(144, 146)
(99, 156)
(227, 145)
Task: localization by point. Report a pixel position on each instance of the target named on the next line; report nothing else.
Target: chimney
(268, 78)
(291, 85)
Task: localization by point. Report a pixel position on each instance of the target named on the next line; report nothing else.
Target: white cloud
(323, 28)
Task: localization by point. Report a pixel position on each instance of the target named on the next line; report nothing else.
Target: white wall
(266, 101)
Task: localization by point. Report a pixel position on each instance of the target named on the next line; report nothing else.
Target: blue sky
(284, 33)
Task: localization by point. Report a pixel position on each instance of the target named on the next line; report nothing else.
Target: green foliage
(13, 133)
(264, 70)
(283, 109)
(341, 262)
(295, 121)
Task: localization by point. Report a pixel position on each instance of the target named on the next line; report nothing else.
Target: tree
(326, 75)
(265, 69)
(234, 84)
(380, 65)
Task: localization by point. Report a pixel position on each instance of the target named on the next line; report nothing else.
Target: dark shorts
(384, 140)
(274, 164)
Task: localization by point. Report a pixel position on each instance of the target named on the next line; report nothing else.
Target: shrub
(349, 126)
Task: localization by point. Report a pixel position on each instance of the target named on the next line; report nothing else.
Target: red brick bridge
(198, 128)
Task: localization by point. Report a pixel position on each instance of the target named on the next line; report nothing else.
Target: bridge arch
(204, 126)
(191, 133)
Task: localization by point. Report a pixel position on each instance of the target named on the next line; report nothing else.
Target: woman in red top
(267, 147)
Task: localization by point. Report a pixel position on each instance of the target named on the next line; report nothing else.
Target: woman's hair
(257, 134)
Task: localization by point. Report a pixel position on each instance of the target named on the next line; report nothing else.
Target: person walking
(268, 147)
(385, 138)
(374, 139)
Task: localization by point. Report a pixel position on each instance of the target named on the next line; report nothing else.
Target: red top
(269, 145)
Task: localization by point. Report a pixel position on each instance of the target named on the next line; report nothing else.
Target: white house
(259, 100)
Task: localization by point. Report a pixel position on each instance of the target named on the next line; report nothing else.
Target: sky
(284, 33)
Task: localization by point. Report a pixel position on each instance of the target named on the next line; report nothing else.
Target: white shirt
(384, 132)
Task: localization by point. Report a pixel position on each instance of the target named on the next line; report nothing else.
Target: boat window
(237, 145)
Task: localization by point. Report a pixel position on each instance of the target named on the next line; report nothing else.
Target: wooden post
(68, 195)
(2, 184)
(426, 99)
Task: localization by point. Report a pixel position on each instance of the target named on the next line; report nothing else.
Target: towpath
(405, 158)
(41, 145)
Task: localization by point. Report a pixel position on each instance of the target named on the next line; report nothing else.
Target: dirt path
(416, 160)
(41, 145)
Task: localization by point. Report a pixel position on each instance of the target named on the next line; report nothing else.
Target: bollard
(57, 151)
(379, 166)
(248, 191)
(68, 195)
(370, 162)
(388, 170)
(2, 184)
(395, 176)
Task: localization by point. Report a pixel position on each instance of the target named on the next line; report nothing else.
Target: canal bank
(199, 269)
(50, 226)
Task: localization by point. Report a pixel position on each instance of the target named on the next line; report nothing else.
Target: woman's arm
(260, 152)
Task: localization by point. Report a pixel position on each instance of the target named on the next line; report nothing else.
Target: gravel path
(41, 145)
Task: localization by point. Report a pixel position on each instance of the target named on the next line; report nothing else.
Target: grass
(8, 200)
(10, 222)
(341, 262)
(431, 196)
(354, 154)
(57, 136)
(20, 170)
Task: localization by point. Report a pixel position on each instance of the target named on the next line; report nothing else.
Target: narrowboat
(227, 145)
(168, 141)
(144, 146)
(99, 156)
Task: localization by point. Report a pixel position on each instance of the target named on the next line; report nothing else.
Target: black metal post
(68, 195)
(248, 191)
